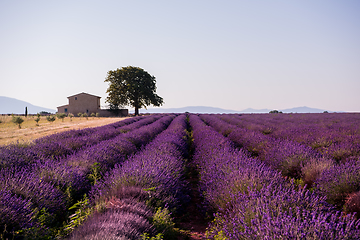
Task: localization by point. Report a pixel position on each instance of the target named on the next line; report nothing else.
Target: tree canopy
(132, 86)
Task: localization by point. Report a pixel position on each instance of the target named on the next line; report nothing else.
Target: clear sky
(229, 54)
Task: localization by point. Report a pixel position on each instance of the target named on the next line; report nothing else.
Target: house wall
(83, 103)
(63, 109)
(87, 103)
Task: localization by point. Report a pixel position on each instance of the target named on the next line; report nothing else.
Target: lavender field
(259, 176)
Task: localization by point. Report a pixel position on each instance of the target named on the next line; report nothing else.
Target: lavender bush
(338, 181)
(109, 152)
(154, 175)
(135, 170)
(314, 168)
(39, 175)
(116, 224)
(255, 202)
(15, 212)
(65, 143)
(282, 212)
(289, 157)
(224, 170)
(158, 167)
(30, 186)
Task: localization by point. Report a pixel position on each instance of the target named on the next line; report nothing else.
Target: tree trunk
(136, 111)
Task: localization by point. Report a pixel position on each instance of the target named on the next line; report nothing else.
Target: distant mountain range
(303, 110)
(288, 110)
(202, 109)
(15, 106)
(12, 105)
(191, 109)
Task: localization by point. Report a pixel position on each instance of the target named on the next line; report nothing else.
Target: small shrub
(86, 115)
(37, 119)
(146, 236)
(95, 173)
(70, 115)
(93, 115)
(163, 222)
(18, 120)
(82, 212)
(61, 116)
(50, 118)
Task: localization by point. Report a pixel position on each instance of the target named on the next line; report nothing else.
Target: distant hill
(251, 110)
(12, 105)
(203, 109)
(289, 110)
(303, 110)
(191, 109)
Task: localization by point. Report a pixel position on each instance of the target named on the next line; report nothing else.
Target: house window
(75, 98)
(65, 109)
(87, 111)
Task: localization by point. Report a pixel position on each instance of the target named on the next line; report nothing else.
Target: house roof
(83, 94)
(63, 106)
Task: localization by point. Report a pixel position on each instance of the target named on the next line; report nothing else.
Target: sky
(226, 54)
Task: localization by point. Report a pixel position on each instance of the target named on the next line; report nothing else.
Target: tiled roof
(82, 94)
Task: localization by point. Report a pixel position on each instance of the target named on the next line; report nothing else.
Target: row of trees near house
(51, 118)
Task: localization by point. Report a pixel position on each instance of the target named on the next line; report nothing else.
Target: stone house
(88, 103)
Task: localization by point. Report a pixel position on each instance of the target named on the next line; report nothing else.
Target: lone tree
(132, 86)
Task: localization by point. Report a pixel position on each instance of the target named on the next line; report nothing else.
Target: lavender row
(15, 212)
(87, 132)
(153, 175)
(253, 201)
(72, 174)
(63, 144)
(335, 136)
(340, 183)
(51, 186)
(49, 175)
(27, 202)
(284, 155)
(108, 153)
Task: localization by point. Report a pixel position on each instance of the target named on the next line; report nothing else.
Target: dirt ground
(11, 133)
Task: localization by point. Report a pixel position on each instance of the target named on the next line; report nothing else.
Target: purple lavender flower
(28, 185)
(282, 211)
(252, 201)
(158, 166)
(15, 212)
(338, 181)
(311, 171)
(116, 224)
